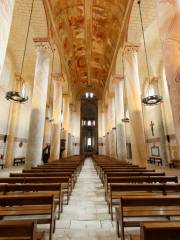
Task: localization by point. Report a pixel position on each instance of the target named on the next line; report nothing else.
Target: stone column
(65, 123)
(6, 13)
(47, 127)
(13, 123)
(169, 27)
(133, 91)
(70, 151)
(103, 117)
(39, 97)
(56, 125)
(106, 142)
(112, 125)
(100, 134)
(120, 127)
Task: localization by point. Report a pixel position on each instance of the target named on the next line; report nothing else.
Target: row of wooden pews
(37, 194)
(139, 197)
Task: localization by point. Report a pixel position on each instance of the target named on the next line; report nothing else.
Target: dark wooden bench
(20, 230)
(126, 174)
(41, 206)
(58, 168)
(18, 161)
(134, 211)
(34, 180)
(108, 170)
(119, 190)
(67, 185)
(53, 188)
(154, 160)
(137, 179)
(174, 164)
(160, 231)
(69, 173)
(76, 168)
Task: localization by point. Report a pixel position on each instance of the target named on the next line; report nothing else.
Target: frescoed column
(39, 97)
(133, 91)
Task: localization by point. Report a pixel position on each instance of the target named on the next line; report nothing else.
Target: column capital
(57, 77)
(19, 81)
(104, 108)
(19, 78)
(42, 43)
(118, 78)
(111, 95)
(72, 107)
(66, 95)
(131, 48)
(155, 79)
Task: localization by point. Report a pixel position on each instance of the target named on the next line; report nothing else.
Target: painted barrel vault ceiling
(89, 31)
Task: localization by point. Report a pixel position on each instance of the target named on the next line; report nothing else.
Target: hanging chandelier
(150, 99)
(15, 96)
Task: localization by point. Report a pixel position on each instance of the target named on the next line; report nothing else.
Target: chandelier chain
(144, 41)
(30, 16)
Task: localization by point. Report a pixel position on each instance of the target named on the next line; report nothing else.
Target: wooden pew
(68, 181)
(42, 171)
(34, 180)
(67, 184)
(160, 231)
(134, 211)
(108, 170)
(53, 188)
(137, 179)
(18, 160)
(20, 230)
(75, 171)
(123, 174)
(76, 167)
(119, 190)
(41, 206)
(119, 168)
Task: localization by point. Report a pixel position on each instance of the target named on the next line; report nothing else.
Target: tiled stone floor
(86, 217)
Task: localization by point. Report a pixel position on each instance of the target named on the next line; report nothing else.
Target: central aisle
(86, 216)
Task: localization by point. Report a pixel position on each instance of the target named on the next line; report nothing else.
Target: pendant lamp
(150, 99)
(14, 96)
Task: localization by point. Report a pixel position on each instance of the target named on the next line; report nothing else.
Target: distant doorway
(89, 124)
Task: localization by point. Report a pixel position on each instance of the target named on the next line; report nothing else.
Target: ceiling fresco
(89, 32)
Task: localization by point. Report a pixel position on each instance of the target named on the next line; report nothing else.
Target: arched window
(91, 95)
(89, 123)
(89, 142)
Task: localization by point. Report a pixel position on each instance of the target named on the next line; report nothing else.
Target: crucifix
(152, 128)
